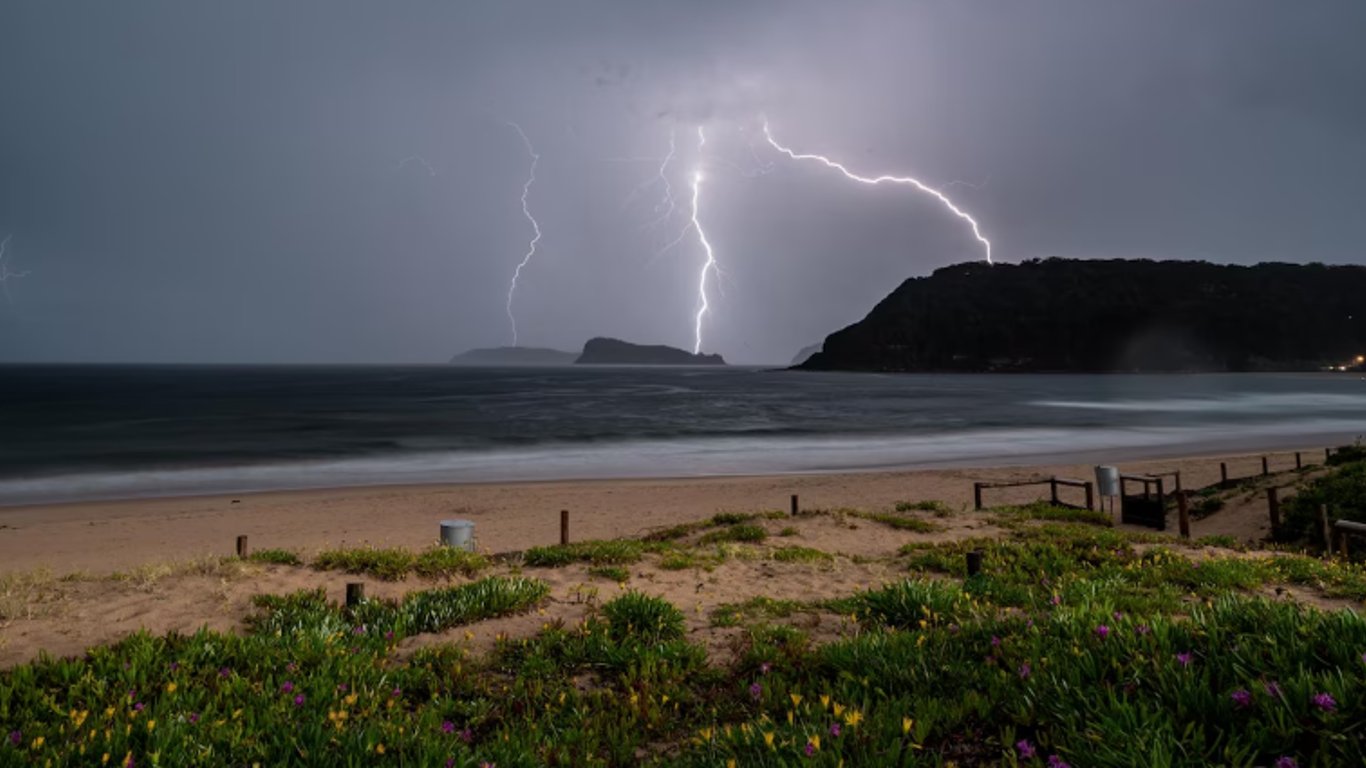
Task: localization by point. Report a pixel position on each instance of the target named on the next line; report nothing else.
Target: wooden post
(1299, 462)
(1090, 495)
(1183, 515)
(242, 546)
(564, 527)
(1273, 505)
(1327, 530)
(974, 563)
(1162, 503)
(977, 495)
(1053, 490)
(1178, 481)
(795, 505)
(1265, 469)
(355, 593)
(1223, 473)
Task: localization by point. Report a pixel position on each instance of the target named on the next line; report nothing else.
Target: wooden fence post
(355, 593)
(795, 506)
(1326, 529)
(1183, 515)
(1266, 470)
(1090, 496)
(1223, 474)
(1299, 462)
(242, 546)
(1178, 481)
(974, 562)
(564, 527)
(1273, 505)
(1053, 490)
(977, 495)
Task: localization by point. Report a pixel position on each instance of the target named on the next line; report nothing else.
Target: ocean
(103, 432)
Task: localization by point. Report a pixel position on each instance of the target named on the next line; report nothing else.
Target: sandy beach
(77, 575)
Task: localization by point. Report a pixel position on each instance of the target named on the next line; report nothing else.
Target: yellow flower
(150, 725)
(768, 739)
(109, 712)
(104, 759)
(853, 718)
(635, 697)
(796, 699)
(38, 742)
(705, 733)
(730, 764)
(906, 724)
(815, 742)
(825, 701)
(839, 709)
(170, 687)
(379, 748)
(351, 699)
(664, 698)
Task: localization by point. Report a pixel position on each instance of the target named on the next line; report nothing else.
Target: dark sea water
(72, 432)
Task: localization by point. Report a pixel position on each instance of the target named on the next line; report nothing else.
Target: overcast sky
(226, 182)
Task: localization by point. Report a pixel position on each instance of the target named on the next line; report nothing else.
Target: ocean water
(96, 432)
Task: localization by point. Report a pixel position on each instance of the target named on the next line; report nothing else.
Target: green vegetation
(899, 522)
(1342, 490)
(1042, 510)
(396, 564)
(746, 533)
(939, 508)
(1077, 643)
(610, 572)
(616, 552)
(800, 555)
(276, 557)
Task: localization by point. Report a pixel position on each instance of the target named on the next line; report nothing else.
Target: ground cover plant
(1076, 644)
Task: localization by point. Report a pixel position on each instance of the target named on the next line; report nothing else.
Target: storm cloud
(226, 182)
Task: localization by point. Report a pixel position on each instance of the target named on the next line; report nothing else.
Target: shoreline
(101, 537)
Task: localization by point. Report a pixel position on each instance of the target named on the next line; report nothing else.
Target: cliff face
(1116, 315)
(604, 351)
(513, 356)
(805, 354)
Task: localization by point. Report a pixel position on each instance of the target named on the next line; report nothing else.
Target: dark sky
(224, 182)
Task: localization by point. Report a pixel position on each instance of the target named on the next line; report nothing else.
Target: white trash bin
(458, 534)
(1107, 481)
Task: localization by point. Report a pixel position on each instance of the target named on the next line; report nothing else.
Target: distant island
(605, 351)
(1069, 315)
(493, 356)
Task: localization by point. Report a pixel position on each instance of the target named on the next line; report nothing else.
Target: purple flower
(193, 718)
(1273, 690)
(175, 665)
(1102, 631)
(1025, 671)
(834, 729)
(1057, 762)
(995, 642)
(447, 727)
(467, 735)
(765, 668)
(1029, 624)
(450, 762)
(810, 749)
(224, 671)
(288, 687)
(16, 737)
(1025, 749)
(756, 690)
(359, 630)
(1056, 600)
(389, 635)
(291, 666)
(138, 706)
(130, 763)
(341, 687)
(299, 700)
(1143, 629)
(1242, 698)
(1324, 702)
(1185, 658)
(396, 692)
(1119, 616)
(1286, 761)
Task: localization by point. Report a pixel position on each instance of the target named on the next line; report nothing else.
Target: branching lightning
(710, 263)
(5, 274)
(526, 211)
(875, 180)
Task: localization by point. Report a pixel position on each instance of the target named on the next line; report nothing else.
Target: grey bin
(1107, 481)
(458, 534)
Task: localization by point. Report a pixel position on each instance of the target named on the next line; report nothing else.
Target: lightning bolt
(710, 263)
(875, 180)
(526, 211)
(5, 274)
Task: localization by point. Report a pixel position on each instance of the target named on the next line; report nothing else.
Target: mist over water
(105, 432)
